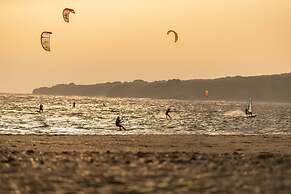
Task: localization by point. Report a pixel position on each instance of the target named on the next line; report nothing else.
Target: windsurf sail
(249, 107)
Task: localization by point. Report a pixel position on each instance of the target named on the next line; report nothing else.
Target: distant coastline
(274, 88)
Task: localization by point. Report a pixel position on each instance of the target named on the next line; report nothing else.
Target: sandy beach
(145, 164)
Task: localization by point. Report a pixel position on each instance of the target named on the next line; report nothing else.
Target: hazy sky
(112, 40)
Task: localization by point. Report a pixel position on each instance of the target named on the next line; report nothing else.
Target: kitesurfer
(40, 108)
(167, 114)
(118, 123)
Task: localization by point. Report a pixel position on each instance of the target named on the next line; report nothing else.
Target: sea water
(96, 115)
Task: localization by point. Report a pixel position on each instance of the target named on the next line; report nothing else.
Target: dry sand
(145, 164)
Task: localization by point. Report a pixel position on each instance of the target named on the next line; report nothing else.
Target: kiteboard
(251, 116)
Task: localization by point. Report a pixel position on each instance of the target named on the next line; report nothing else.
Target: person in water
(167, 114)
(74, 104)
(118, 123)
(40, 108)
(248, 112)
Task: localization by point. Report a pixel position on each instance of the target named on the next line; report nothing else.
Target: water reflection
(94, 115)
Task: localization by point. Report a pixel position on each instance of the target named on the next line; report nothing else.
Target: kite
(45, 40)
(66, 14)
(175, 33)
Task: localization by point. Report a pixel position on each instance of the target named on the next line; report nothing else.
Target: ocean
(96, 115)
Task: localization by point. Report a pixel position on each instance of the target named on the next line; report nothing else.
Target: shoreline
(149, 143)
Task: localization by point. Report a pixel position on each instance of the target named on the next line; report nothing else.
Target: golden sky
(123, 40)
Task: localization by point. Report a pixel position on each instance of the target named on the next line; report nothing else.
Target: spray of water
(234, 113)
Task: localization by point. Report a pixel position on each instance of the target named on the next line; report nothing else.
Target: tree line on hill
(275, 88)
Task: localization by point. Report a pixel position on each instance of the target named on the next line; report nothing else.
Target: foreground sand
(145, 164)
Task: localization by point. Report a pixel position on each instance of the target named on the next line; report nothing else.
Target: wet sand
(145, 164)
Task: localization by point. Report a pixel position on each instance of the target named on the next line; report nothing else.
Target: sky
(124, 40)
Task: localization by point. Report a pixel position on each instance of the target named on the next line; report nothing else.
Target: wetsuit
(118, 123)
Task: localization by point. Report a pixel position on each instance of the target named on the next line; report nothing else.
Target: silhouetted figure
(74, 104)
(167, 114)
(118, 123)
(40, 108)
(248, 112)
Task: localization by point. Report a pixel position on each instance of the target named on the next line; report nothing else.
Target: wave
(234, 113)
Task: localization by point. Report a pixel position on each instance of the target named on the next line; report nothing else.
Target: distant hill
(276, 88)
